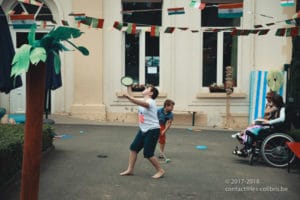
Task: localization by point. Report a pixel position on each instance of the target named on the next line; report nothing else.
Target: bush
(11, 148)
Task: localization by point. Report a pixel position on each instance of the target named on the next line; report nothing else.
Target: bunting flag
(22, 21)
(118, 25)
(183, 28)
(131, 28)
(234, 10)
(170, 30)
(197, 4)
(234, 32)
(288, 32)
(87, 21)
(97, 23)
(294, 31)
(290, 21)
(240, 32)
(244, 32)
(280, 32)
(31, 2)
(287, 3)
(254, 31)
(258, 26)
(78, 16)
(270, 24)
(263, 31)
(154, 32)
(65, 22)
(176, 11)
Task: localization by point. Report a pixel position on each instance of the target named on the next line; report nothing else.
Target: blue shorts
(147, 140)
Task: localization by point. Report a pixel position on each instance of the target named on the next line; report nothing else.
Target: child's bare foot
(159, 174)
(126, 173)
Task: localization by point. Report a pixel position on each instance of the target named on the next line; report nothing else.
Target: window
(143, 13)
(142, 60)
(43, 14)
(219, 51)
(132, 52)
(152, 60)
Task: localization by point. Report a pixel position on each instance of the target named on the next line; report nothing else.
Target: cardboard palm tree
(31, 58)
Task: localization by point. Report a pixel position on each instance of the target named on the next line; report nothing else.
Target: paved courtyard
(86, 162)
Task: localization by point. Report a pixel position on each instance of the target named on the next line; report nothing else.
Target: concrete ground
(87, 160)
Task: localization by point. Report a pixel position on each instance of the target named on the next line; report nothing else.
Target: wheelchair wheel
(275, 151)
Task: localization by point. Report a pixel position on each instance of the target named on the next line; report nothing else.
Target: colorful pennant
(197, 4)
(176, 11)
(117, 25)
(22, 21)
(131, 28)
(263, 31)
(170, 30)
(154, 32)
(64, 22)
(234, 10)
(287, 3)
(97, 23)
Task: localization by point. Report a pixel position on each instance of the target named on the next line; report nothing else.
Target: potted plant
(216, 88)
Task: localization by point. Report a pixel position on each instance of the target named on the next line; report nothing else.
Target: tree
(30, 58)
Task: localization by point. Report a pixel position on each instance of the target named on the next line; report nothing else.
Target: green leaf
(83, 50)
(38, 54)
(21, 60)
(47, 41)
(64, 33)
(56, 62)
(31, 35)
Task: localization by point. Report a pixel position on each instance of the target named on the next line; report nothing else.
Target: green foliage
(11, 148)
(38, 54)
(37, 50)
(21, 60)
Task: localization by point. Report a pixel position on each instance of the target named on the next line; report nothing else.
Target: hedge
(11, 149)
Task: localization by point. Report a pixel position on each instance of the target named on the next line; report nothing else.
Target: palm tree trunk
(35, 94)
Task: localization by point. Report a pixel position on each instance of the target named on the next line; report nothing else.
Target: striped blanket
(258, 91)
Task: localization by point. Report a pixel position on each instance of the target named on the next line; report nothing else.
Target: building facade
(182, 64)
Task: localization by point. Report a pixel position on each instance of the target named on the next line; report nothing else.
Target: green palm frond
(21, 60)
(38, 54)
(64, 33)
(82, 49)
(37, 50)
(31, 35)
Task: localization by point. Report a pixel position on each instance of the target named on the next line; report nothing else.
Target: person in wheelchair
(265, 127)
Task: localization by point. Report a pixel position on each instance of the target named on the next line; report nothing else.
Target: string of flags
(232, 10)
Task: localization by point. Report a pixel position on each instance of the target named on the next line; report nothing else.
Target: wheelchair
(270, 145)
(271, 142)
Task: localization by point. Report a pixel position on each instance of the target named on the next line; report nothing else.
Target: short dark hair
(168, 102)
(155, 92)
(277, 100)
